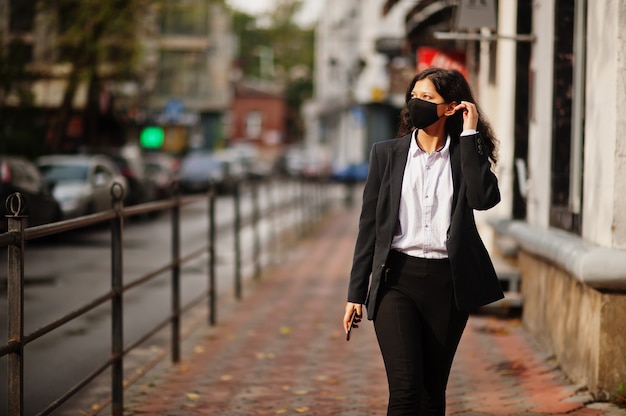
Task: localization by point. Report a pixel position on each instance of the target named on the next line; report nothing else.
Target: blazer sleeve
(482, 190)
(366, 239)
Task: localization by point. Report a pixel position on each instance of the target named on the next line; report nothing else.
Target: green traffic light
(152, 137)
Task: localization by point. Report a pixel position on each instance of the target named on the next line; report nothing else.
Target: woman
(418, 239)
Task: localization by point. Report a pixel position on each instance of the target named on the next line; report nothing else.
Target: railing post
(319, 201)
(256, 219)
(237, 239)
(303, 208)
(15, 298)
(212, 289)
(272, 208)
(117, 311)
(175, 283)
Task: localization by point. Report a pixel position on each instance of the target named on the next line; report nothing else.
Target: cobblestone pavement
(282, 351)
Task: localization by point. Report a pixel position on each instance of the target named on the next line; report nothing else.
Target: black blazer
(475, 188)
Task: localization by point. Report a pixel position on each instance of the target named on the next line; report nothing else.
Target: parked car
(351, 173)
(234, 169)
(129, 161)
(18, 174)
(80, 183)
(199, 170)
(161, 169)
(291, 162)
(253, 164)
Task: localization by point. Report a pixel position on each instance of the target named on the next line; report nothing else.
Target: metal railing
(308, 200)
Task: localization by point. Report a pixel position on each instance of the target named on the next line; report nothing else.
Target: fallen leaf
(285, 330)
(226, 377)
(192, 396)
(198, 349)
(495, 330)
(281, 411)
(300, 392)
(302, 409)
(510, 368)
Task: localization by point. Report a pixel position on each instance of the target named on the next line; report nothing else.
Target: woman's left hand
(470, 115)
(350, 307)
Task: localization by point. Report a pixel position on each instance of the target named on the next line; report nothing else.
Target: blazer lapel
(455, 165)
(397, 162)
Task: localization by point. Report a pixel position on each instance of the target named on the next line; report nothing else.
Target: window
(185, 17)
(182, 74)
(254, 124)
(522, 108)
(566, 193)
(21, 16)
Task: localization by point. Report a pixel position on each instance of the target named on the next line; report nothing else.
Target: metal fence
(307, 200)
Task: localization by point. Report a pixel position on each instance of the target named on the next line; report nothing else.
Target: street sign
(173, 110)
(476, 14)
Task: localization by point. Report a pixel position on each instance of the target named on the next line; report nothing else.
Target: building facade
(257, 118)
(172, 69)
(572, 241)
(188, 54)
(355, 102)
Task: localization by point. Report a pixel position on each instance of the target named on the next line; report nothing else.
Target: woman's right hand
(346, 318)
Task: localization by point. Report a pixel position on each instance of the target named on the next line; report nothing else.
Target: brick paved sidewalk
(282, 351)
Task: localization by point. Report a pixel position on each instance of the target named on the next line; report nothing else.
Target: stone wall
(584, 328)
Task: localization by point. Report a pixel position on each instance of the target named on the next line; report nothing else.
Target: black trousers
(418, 328)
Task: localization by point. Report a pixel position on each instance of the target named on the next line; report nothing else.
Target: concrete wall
(502, 108)
(584, 328)
(604, 216)
(541, 108)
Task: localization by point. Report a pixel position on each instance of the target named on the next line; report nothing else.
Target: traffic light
(152, 137)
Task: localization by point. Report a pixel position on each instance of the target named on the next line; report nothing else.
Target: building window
(566, 137)
(185, 17)
(254, 124)
(523, 88)
(182, 74)
(21, 16)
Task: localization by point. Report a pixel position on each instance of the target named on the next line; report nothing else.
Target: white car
(81, 183)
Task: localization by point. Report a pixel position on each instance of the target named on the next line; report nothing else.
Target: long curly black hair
(452, 86)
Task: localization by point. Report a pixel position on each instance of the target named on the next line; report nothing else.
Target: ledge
(600, 268)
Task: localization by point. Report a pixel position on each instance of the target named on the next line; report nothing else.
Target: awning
(389, 5)
(427, 11)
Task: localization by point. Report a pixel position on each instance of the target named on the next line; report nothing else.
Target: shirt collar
(415, 150)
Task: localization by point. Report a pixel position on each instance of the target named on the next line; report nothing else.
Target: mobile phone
(352, 320)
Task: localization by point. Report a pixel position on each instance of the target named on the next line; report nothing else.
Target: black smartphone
(352, 319)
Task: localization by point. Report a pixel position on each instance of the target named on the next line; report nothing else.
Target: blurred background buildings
(548, 74)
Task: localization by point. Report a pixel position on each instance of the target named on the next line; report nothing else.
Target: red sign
(431, 57)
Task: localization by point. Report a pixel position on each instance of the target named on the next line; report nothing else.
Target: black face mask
(422, 113)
